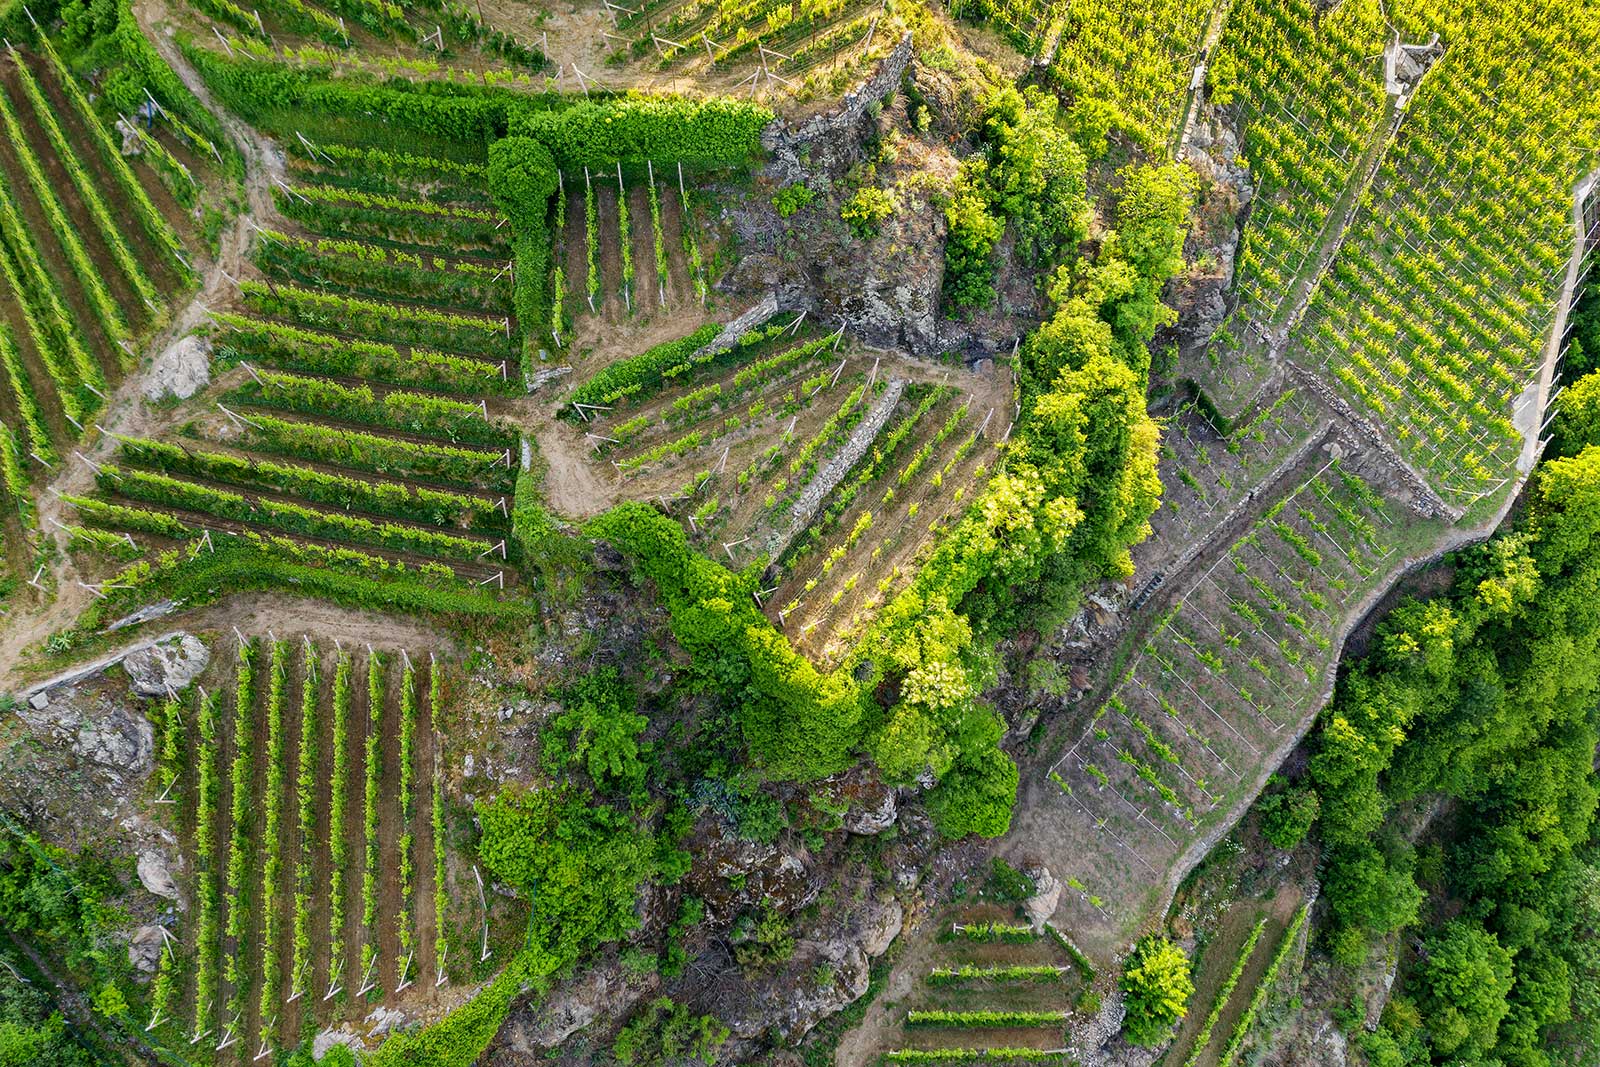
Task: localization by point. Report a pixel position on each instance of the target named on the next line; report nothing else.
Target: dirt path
(574, 487)
(862, 1043)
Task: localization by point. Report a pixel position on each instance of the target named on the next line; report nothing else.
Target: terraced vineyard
(1244, 653)
(990, 990)
(367, 351)
(303, 785)
(628, 249)
(90, 253)
(1448, 328)
(775, 45)
(838, 466)
(1313, 111)
(1134, 60)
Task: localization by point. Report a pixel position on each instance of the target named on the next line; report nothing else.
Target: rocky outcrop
(759, 312)
(166, 666)
(822, 977)
(120, 741)
(872, 815)
(181, 370)
(783, 144)
(570, 1008)
(144, 949)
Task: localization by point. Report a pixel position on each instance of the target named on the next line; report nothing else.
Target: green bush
(1287, 814)
(665, 1034)
(1157, 985)
(867, 210)
(791, 198)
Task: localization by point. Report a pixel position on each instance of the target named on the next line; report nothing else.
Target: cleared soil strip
(610, 251)
(423, 844)
(390, 912)
(680, 286)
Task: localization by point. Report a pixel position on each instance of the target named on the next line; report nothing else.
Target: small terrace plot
(837, 466)
(991, 990)
(628, 248)
(1211, 473)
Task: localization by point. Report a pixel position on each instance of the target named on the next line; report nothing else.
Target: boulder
(874, 815)
(1046, 895)
(154, 875)
(39, 701)
(144, 949)
(181, 370)
(382, 1020)
(821, 978)
(879, 924)
(168, 666)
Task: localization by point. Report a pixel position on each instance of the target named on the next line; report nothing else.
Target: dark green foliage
(791, 198)
(1008, 883)
(580, 862)
(1486, 696)
(1583, 351)
(522, 177)
(665, 1034)
(242, 564)
(977, 795)
(1036, 175)
(599, 730)
(1465, 976)
(1032, 175)
(1579, 423)
(796, 721)
(969, 264)
(1287, 813)
(715, 131)
(1156, 984)
(275, 96)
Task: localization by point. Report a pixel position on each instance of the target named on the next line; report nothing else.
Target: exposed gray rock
(1046, 895)
(382, 1020)
(873, 818)
(121, 740)
(879, 925)
(326, 1039)
(144, 949)
(160, 609)
(167, 666)
(39, 701)
(758, 313)
(569, 1009)
(821, 978)
(783, 143)
(154, 875)
(181, 370)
